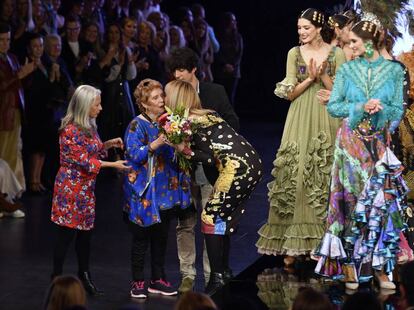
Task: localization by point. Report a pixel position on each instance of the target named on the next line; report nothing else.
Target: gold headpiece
(316, 16)
(368, 26)
(332, 23)
(372, 18)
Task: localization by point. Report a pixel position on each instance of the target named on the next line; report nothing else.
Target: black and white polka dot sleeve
(202, 150)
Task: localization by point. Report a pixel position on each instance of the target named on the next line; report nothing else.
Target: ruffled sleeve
(288, 84)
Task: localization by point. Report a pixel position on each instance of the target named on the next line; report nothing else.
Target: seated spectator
(362, 301)
(195, 301)
(407, 286)
(310, 299)
(65, 292)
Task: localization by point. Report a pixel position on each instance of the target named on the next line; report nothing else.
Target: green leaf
(169, 111)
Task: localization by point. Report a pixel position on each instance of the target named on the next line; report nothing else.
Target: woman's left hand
(116, 142)
(322, 69)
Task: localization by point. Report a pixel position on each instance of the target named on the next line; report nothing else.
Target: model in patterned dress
(367, 191)
(239, 170)
(73, 205)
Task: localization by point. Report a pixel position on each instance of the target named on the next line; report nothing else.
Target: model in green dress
(299, 192)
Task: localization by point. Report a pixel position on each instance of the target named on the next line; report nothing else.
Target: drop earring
(369, 49)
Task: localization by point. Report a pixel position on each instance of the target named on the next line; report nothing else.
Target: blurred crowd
(49, 47)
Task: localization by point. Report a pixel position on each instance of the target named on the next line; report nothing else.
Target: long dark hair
(317, 18)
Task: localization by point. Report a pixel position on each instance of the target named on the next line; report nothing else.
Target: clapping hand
(322, 68)
(373, 106)
(312, 70)
(26, 69)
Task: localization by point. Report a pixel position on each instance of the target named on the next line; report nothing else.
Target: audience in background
(228, 59)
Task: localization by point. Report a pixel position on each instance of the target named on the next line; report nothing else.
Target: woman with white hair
(73, 205)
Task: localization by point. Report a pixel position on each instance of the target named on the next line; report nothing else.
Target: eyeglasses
(73, 29)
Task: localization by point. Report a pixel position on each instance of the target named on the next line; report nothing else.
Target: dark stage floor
(26, 251)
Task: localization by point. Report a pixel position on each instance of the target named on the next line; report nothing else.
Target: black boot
(215, 283)
(89, 286)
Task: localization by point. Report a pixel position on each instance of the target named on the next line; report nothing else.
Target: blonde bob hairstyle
(182, 94)
(65, 292)
(143, 92)
(79, 108)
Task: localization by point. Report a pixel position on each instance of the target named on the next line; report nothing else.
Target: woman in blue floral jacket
(153, 186)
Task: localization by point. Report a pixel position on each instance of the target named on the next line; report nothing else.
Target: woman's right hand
(373, 106)
(160, 141)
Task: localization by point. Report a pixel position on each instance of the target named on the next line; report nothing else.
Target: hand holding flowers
(178, 128)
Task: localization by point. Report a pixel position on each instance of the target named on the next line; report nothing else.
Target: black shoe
(227, 275)
(89, 286)
(162, 287)
(215, 283)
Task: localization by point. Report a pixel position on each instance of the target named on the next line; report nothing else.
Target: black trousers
(156, 236)
(218, 251)
(64, 236)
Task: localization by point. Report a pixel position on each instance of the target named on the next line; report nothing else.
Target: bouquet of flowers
(178, 128)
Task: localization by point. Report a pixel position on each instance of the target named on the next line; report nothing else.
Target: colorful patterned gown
(154, 183)
(367, 190)
(406, 145)
(73, 202)
(299, 192)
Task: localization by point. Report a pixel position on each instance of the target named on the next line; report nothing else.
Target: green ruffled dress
(299, 192)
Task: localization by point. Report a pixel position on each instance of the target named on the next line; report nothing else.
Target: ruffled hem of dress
(384, 191)
(331, 253)
(289, 239)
